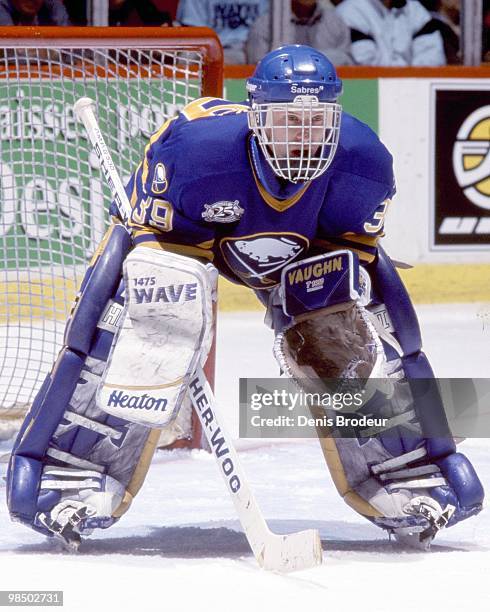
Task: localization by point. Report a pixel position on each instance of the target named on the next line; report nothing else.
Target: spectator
(486, 34)
(33, 12)
(445, 16)
(170, 6)
(136, 13)
(314, 23)
(392, 33)
(230, 20)
(77, 12)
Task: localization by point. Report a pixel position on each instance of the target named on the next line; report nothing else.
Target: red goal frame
(202, 40)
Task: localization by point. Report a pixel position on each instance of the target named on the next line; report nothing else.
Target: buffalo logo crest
(258, 260)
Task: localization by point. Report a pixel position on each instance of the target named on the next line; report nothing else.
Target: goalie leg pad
(74, 457)
(74, 467)
(166, 330)
(98, 287)
(452, 491)
(30, 448)
(390, 290)
(467, 487)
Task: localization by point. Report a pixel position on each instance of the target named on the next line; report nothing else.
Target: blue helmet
(294, 112)
(294, 70)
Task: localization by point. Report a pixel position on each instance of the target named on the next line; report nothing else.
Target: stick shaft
(84, 109)
(229, 464)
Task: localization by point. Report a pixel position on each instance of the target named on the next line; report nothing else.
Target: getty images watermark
(280, 408)
(295, 402)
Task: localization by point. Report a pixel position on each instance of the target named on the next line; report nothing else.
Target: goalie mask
(294, 112)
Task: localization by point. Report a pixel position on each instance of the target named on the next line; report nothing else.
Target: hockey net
(53, 202)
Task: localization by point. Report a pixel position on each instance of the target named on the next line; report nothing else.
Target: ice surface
(180, 547)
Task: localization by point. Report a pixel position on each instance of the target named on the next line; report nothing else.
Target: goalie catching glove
(405, 476)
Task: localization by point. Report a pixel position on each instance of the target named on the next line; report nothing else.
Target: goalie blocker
(405, 477)
(131, 346)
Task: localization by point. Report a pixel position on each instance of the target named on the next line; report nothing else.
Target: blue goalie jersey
(204, 190)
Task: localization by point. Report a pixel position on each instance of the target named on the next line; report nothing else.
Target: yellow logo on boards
(316, 270)
(471, 157)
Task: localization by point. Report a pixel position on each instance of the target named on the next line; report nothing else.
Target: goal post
(53, 202)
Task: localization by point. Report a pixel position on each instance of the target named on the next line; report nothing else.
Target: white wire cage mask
(298, 139)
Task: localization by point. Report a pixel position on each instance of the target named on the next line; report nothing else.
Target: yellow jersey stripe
(153, 241)
(332, 246)
(153, 138)
(359, 238)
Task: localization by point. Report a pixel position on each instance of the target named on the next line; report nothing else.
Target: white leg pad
(167, 329)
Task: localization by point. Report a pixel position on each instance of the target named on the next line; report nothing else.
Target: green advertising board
(54, 205)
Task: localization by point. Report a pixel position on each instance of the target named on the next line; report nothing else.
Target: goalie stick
(284, 553)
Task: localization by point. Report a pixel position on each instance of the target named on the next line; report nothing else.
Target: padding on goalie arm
(131, 345)
(403, 473)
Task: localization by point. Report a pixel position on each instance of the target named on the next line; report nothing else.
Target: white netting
(53, 206)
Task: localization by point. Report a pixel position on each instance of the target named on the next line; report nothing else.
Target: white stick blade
(292, 552)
